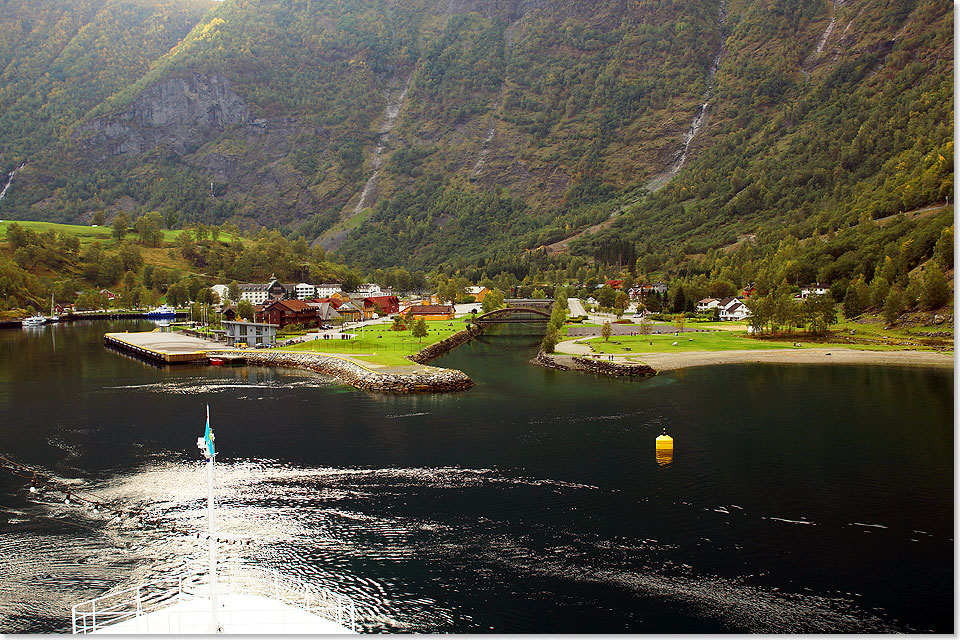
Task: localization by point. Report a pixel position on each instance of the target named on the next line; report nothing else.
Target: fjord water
(799, 499)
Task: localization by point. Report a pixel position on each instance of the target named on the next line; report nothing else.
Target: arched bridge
(514, 315)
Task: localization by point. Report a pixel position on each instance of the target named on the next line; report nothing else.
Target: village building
(326, 312)
(250, 333)
(749, 290)
(305, 290)
(382, 305)
(369, 289)
(641, 291)
(350, 311)
(707, 303)
(733, 309)
(478, 293)
(813, 290)
(273, 290)
(286, 312)
(432, 311)
(327, 289)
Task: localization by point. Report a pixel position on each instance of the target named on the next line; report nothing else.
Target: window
(243, 330)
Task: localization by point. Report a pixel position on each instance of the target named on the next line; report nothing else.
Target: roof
(475, 290)
(297, 306)
(430, 309)
(707, 301)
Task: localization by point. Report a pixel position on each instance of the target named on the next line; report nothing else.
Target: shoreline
(821, 355)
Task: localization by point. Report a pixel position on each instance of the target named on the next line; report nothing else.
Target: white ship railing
(155, 595)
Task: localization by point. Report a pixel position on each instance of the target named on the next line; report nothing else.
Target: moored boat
(163, 311)
(34, 321)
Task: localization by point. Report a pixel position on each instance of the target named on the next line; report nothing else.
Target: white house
(304, 291)
(813, 290)
(735, 311)
(327, 289)
(708, 303)
(368, 289)
(221, 290)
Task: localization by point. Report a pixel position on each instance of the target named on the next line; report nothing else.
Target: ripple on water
(345, 529)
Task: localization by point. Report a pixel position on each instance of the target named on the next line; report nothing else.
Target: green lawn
(719, 341)
(390, 347)
(88, 234)
(712, 341)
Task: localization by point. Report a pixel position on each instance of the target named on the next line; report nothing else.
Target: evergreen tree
(936, 291)
(893, 305)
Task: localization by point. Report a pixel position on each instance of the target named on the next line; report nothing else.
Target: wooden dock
(167, 347)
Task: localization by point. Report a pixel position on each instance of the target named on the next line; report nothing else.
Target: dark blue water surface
(799, 499)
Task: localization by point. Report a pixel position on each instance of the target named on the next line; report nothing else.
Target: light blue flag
(208, 435)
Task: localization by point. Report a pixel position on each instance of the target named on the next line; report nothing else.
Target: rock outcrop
(179, 112)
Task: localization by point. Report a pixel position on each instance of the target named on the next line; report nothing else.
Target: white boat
(53, 316)
(34, 321)
(223, 599)
(163, 311)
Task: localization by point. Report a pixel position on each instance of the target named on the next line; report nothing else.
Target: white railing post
(93, 611)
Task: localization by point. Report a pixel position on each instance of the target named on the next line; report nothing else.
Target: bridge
(514, 315)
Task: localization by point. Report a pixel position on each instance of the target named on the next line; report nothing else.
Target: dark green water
(799, 499)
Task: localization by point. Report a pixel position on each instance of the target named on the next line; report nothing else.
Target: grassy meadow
(379, 345)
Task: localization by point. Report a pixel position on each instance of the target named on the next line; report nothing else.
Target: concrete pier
(166, 347)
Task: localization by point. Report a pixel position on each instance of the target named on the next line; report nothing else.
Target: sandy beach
(669, 361)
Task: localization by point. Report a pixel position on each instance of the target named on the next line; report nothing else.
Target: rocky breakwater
(412, 379)
(439, 348)
(581, 363)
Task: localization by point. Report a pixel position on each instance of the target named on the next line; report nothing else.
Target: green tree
(819, 312)
(178, 295)
(98, 218)
(606, 296)
(120, 225)
(606, 331)
(893, 305)
(398, 324)
(233, 291)
(420, 329)
(245, 310)
(936, 291)
(855, 300)
(538, 294)
(130, 257)
(943, 250)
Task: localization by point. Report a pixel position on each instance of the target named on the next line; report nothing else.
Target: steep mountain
(473, 130)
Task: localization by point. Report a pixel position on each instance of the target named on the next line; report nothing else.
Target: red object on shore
(217, 361)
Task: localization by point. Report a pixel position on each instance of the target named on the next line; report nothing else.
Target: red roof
(293, 305)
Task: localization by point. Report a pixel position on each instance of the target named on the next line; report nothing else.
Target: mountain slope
(419, 132)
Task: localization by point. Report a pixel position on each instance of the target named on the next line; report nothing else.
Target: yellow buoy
(664, 449)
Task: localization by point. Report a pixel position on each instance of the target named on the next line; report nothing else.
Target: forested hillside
(474, 133)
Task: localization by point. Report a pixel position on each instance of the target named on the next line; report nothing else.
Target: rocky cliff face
(179, 112)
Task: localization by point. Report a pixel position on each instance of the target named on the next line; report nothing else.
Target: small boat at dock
(163, 311)
(34, 321)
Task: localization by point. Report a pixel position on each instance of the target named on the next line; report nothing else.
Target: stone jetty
(403, 379)
(581, 363)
